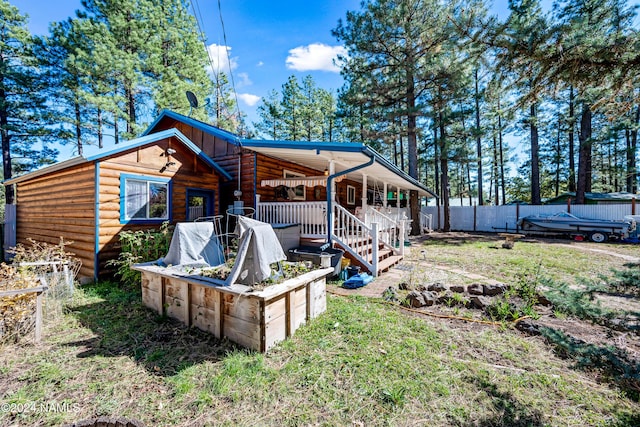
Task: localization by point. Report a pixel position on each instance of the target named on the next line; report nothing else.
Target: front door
(199, 204)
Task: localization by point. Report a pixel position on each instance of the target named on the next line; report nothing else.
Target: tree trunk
(494, 172)
(535, 158)
(572, 166)
(632, 151)
(6, 144)
(584, 155)
(444, 167)
(412, 148)
(100, 141)
(76, 107)
(478, 142)
(557, 161)
(502, 185)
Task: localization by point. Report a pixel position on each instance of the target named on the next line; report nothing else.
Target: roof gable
(134, 143)
(204, 127)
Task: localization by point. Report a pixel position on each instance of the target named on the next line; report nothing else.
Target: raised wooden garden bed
(254, 319)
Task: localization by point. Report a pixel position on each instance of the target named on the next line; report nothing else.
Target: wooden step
(388, 262)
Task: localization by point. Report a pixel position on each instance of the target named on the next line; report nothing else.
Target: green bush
(140, 246)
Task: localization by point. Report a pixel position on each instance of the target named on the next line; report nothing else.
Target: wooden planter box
(254, 319)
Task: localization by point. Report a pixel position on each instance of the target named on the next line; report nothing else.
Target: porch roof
(345, 155)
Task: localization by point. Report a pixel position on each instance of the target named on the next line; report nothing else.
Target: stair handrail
(387, 228)
(356, 237)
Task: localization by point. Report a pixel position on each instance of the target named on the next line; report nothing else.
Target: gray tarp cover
(194, 243)
(257, 250)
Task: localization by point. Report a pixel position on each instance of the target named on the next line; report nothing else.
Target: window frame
(351, 195)
(148, 181)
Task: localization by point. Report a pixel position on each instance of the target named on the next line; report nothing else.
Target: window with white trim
(144, 198)
(351, 195)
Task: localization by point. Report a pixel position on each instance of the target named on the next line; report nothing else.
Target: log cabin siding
(148, 161)
(59, 205)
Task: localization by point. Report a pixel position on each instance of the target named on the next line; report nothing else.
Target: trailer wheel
(598, 237)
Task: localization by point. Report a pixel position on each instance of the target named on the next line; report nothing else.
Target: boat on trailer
(564, 223)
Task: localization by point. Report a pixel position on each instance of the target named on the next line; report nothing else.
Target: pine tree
(23, 112)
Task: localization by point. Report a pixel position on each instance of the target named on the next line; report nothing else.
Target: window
(351, 195)
(295, 193)
(143, 198)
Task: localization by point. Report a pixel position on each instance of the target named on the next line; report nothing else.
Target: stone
(475, 289)
(528, 327)
(430, 298)
(415, 299)
(390, 294)
(479, 302)
(404, 286)
(507, 245)
(456, 288)
(445, 298)
(494, 289)
(437, 287)
(543, 300)
(421, 288)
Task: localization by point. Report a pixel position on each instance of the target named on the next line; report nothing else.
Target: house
(181, 169)
(88, 200)
(593, 198)
(336, 191)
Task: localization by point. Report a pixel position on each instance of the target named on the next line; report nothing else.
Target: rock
(456, 288)
(445, 298)
(430, 298)
(475, 289)
(507, 245)
(494, 289)
(390, 294)
(480, 302)
(437, 287)
(421, 288)
(416, 299)
(528, 327)
(404, 286)
(543, 300)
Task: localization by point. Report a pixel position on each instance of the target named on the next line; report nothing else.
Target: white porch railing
(312, 216)
(426, 222)
(388, 228)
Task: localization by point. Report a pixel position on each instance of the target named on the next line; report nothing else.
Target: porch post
(332, 171)
(398, 198)
(374, 249)
(364, 193)
(258, 210)
(384, 198)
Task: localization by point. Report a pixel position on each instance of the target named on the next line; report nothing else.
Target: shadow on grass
(124, 327)
(509, 411)
(614, 363)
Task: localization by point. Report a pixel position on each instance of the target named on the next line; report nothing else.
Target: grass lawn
(362, 363)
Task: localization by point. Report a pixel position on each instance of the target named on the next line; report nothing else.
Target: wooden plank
(241, 331)
(275, 331)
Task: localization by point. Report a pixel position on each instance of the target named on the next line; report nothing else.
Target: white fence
(505, 218)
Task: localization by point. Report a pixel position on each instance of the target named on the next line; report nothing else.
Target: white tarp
(194, 243)
(257, 250)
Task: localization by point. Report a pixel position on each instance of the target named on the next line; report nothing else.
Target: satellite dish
(193, 101)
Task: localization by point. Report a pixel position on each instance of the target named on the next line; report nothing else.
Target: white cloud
(316, 56)
(221, 59)
(259, 64)
(243, 80)
(249, 99)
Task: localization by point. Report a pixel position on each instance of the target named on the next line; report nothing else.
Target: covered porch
(357, 200)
